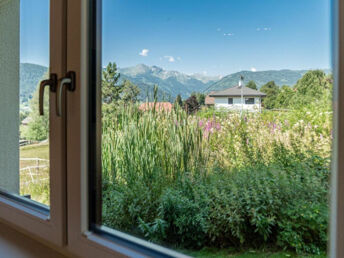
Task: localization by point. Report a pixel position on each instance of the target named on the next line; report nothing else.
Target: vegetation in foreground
(34, 174)
(194, 179)
(213, 179)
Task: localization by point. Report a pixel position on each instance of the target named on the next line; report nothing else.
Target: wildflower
(218, 126)
(200, 123)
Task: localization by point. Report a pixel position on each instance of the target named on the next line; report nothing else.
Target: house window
(230, 101)
(249, 101)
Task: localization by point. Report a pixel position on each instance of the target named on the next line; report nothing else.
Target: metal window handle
(51, 82)
(69, 83)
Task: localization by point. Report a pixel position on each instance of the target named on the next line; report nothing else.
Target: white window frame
(79, 239)
(49, 225)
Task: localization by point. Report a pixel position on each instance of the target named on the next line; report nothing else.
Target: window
(249, 101)
(32, 145)
(122, 160)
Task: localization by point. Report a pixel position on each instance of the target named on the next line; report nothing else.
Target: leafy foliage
(251, 84)
(218, 179)
(191, 105)
(272, 91)
(38, 126)
(111, 90)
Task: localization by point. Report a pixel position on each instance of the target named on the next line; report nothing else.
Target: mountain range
(170, 83)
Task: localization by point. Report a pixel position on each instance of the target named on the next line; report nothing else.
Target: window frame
(230, 101)
(84, 239)
(41, 222)
(247, 101)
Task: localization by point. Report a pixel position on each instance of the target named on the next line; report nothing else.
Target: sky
(213, 37)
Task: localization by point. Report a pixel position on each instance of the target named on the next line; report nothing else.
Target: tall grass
(218, 179)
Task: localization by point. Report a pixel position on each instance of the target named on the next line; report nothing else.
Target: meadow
(219, 179)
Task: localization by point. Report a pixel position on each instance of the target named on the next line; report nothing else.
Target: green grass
(35, 181)
(36, 150)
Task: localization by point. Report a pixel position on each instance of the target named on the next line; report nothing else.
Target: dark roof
(236, 91)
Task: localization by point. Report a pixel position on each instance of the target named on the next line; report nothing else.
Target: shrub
(226, 180)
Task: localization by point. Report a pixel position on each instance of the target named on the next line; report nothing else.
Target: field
(34, 172)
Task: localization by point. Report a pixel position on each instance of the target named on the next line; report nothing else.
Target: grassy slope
(39, 189)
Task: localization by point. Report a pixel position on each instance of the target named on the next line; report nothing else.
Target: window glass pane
(249, 101)
(24, 59)
(217, 124)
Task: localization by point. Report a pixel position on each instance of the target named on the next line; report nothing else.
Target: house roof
(159, 106)
(236, 91)
(210, 100)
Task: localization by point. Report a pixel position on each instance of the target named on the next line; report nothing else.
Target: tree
(38, 127)
(271, 90)
(311, 87)
(111, 90)
(251, 84)
(191, 105)
(200, 97)
(130, 92)
(178, 101)
(284, 97)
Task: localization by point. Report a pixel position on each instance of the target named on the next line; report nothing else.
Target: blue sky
(204, 36)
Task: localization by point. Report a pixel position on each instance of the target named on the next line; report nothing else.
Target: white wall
(222, 102)
(9, 97)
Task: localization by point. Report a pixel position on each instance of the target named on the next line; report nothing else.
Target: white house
(236, 98)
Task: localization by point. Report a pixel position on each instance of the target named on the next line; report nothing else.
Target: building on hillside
(159, 106)
(236, 98)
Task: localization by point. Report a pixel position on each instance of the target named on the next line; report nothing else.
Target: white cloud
(253, 69)
(144, 52)
(264, 29)
(228, 34)
(170, 59)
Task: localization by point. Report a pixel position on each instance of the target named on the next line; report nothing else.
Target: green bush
(224, 181)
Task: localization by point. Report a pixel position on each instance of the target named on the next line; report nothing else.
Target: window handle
(69, 82)
(51, 82)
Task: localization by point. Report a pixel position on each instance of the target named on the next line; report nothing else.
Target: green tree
(178, 101)
(251, 84)
(285, 97)
(130, 92)
(272, 91)
(38, 127)
(200, 97)
(111, 90)
(312, 87)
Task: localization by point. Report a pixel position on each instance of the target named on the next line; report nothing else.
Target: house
(236, 98)
(159, 106)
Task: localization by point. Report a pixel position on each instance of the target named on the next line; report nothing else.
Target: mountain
(30, 76)
(170, 83)
(281, 77)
